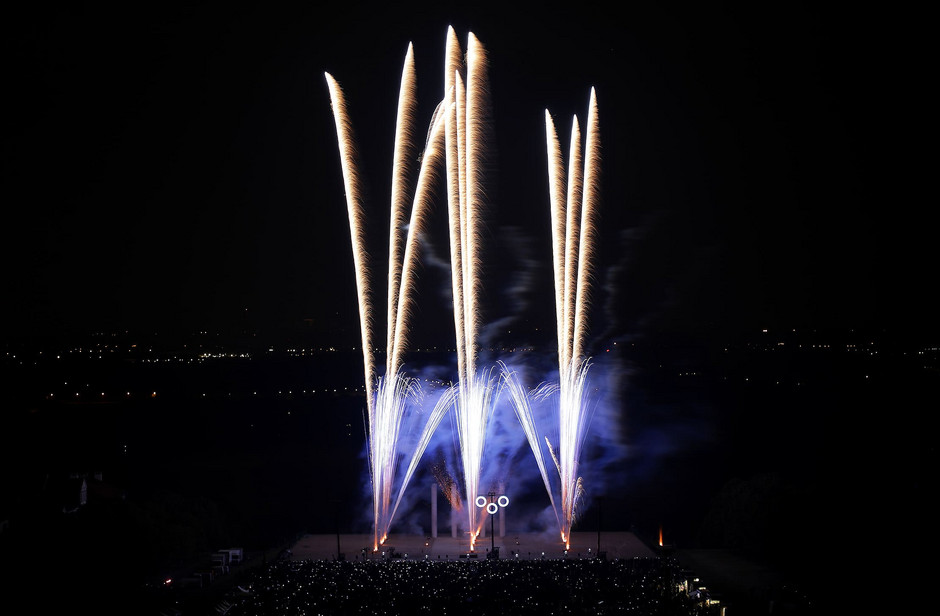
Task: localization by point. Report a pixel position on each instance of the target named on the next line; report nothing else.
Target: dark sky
(176, 168)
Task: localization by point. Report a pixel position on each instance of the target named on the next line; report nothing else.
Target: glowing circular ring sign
(492, 508)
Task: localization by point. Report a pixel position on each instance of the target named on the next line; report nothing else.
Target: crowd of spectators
(647, 586)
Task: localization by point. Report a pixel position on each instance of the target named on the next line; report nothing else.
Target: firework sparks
(443, 404)
(475, 401)
(466, 91)
(455, 151)
(520, 400)
(392, 395)
(354, 205)
(389, 398)
(573, 413)
(574, 234)
(448, 486)
(420, 212)
(401, 184)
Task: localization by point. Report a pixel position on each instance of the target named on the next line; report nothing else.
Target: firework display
(573, 238)
(389, 397)
(454, 156)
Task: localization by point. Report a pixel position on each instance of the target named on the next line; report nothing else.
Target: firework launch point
(521, 546)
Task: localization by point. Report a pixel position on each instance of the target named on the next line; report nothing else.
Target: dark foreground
(531, 574)
(651, 586)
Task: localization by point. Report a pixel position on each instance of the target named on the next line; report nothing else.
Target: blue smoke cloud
(509, 463)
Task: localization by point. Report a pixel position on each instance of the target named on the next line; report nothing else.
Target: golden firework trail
(452, 134)
(401, 194)
(574, 233)
(475, 148)
(589, 206)
(466, 122)
(389, 397)
(572, 223)
(428, 178)
(361, 261)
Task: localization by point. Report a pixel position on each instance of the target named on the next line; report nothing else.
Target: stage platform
(522, 546)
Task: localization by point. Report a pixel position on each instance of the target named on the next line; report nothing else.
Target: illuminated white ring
(492, 508)
(503, 501)
(481, 501)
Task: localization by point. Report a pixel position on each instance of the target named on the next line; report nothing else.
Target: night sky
(176, 168)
